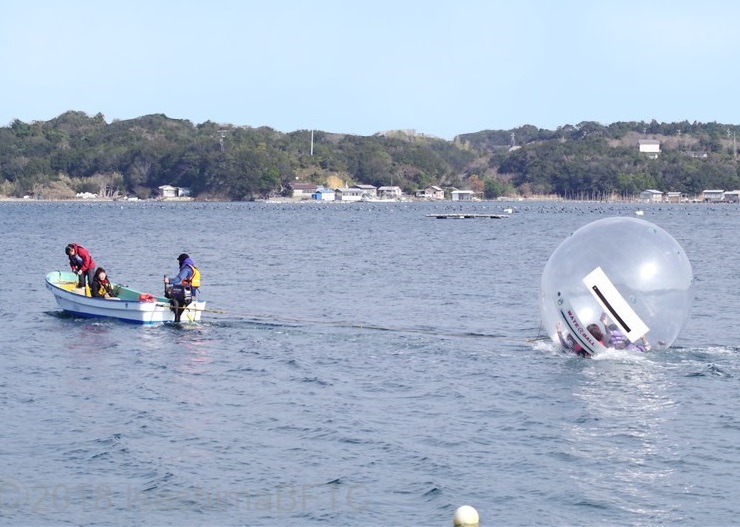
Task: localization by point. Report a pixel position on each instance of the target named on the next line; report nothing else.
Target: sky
(362, 67)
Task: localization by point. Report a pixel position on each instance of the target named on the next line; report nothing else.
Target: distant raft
(129, 304)
(465, 215)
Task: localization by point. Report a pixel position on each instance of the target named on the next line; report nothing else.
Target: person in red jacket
(81, 263)
(569, 343)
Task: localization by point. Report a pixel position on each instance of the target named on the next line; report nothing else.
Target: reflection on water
(625, 449)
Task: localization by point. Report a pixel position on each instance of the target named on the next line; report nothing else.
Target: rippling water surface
(361, 365)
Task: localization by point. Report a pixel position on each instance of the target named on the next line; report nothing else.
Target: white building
(323, 194)
(167, 191)
(651, 147)
(674, 197)
(462, 195)
(651, 195)
(432, 192)
(713, 195)
(348, 194)
(303, 190)
(170, 192)
(369, 190)
(393, 192)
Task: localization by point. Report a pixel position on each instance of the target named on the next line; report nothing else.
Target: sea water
(360, 364)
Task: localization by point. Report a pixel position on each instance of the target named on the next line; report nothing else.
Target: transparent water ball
(623, 273)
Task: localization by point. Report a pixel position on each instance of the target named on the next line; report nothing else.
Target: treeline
(76, 153)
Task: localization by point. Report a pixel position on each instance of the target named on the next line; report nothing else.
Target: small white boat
(129, 305)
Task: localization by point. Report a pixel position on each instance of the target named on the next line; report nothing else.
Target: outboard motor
(182, 293)
(180, 296)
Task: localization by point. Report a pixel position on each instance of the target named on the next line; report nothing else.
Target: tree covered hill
(78, 153)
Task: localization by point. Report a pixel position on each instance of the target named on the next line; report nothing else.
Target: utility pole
(734, 143)
(221, 139)
(311, 142)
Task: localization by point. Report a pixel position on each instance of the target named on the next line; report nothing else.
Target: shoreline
(294, 201)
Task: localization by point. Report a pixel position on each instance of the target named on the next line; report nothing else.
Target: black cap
(182, 258)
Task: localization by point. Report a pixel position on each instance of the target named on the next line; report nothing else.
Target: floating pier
(465, 216)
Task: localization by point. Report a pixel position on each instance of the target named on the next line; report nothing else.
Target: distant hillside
(79, 153)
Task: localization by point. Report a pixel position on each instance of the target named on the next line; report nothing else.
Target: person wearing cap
(188, 274)
(81, 262)
(182, 289)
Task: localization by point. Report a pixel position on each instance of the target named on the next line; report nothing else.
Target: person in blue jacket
(182, 289)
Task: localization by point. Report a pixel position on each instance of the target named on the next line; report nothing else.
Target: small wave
(316, 380)
(432, 493)
(717, 350)
(710, 370)
(547, 346)
(624, 356)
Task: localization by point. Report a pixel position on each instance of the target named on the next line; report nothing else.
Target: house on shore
(651, 195)
(713, 196)
(324, 194)
(170, 192)
(348, 194)
(674, 197)
(389, 192)
(368, 190)
(432, 193)
(463, 195)
(301, 190)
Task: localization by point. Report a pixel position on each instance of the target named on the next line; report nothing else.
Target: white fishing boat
(128, 305)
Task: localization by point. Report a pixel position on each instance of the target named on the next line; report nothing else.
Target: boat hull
(127, 306)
